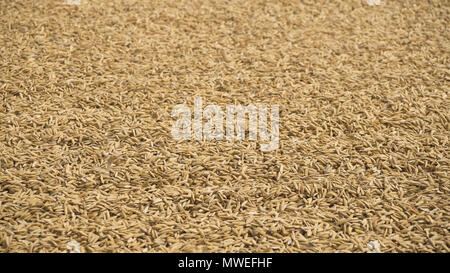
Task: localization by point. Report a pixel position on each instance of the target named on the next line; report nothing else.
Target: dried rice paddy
(87, 160)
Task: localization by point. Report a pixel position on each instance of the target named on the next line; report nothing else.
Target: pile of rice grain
(88, 163)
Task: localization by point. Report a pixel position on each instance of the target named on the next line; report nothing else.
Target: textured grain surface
(86, 153)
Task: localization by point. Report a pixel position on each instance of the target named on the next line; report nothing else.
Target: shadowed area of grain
(86, 152)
